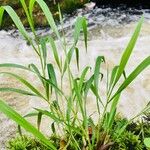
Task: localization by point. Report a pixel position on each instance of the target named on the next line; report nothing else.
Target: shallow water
(108, 36)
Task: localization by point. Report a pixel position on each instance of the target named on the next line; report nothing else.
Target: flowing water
(109, 33)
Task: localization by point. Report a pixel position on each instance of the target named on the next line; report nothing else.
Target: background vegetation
(67, 6)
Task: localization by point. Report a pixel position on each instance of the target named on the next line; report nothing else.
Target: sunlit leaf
(127, 53)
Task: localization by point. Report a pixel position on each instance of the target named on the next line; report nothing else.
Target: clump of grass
(131, 138)
(79, 132)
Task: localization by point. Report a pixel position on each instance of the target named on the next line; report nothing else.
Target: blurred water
(109, 33)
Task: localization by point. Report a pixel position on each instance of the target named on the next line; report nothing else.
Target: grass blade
(99, 60)
(113, 75)
(77, 57)
(9, 112)
(52, 75)
(26, 83)
(80, 102)
(43, 51)
(143, 65)
(84, 26)
(80, 25)
(81, 81)
(39, 119)
(55, 52)
(54, 86)
(68, 59)
(5, 89)
(147, 142)
(112, 113)
(88, 85)
(16, 20)
(47, 13)
(49, 114)
(1, 15)
(36, 71)
(128, 51)
(11, 65)
(69, 107)
(30, 21)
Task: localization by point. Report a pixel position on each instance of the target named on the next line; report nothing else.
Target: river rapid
(109, 32)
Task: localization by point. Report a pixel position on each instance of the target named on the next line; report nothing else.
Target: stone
(90, 5)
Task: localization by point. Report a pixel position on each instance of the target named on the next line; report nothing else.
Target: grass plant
(79, 132)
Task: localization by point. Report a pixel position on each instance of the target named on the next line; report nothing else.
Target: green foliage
(25, 143)
(133, 135)
(131, 138)
(147, 142)
(128, 141)
(68, 6)
(66, 107)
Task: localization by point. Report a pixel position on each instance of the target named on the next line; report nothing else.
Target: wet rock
(90, 5)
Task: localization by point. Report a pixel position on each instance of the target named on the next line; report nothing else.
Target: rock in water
(90, 5)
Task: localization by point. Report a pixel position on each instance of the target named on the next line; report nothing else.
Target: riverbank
(67, 7)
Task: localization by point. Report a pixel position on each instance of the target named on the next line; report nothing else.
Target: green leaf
(113, 75)
(34, 69)
(31, 114)
(99, 60)
(49, 114)
(9, 112)
(126, 55)
(88, 85)
(60, 15)
(25, 82)
(29, 18)
(147, 142)
(52, 75)
(39, 120)
(11, 65)
(84, 26)
(80, 25)
(69, 107)
(78, 94)
(43, 51)
(53, 127)
(77, 57)
(47, 14)
(68, 59)
(15, 19)
(55, 52)
(79, 98)
(95, 92)
(54, 86)
(144, 64)
(5, 89)
(1, 15)
(112, 113)
(81, 81)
